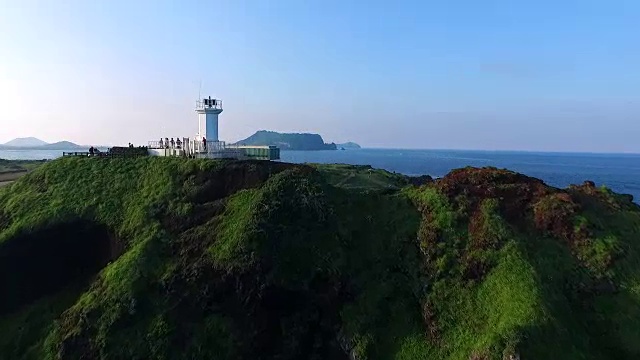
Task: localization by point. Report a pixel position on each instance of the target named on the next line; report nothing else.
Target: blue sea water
(620, 172)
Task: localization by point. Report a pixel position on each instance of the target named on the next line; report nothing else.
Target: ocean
(620, 172)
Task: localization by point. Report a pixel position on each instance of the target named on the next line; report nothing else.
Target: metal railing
(215, 104)
(190, 147)
(163, 144)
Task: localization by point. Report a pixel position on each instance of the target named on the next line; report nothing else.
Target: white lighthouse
(208, 111)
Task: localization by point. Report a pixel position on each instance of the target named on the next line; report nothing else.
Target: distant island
(285, 141)
(349, 145)
(31, 143)
(292, 141)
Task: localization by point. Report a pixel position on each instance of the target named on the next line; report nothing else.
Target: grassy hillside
(154, 258)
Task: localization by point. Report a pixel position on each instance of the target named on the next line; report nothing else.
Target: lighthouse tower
(208, 111)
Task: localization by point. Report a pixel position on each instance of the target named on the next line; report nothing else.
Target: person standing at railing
(166, 143)
(204, 143)
(173, 143)
(178, 143)
(161, 145)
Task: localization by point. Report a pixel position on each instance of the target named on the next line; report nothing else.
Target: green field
(360, 177)
(11, 170)
(19, 165)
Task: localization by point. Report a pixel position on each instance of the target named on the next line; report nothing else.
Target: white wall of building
(212, 127)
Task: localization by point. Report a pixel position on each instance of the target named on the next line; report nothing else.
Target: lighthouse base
(222, 154)
(166, 152)
(197, 149)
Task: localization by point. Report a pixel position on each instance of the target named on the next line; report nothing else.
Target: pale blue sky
(500, 75)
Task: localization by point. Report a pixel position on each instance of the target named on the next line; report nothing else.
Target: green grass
(287, 224)
(361, 177)
(120, 193)
(479, 315)
(382, 264)
(255, 259)
(25, 331)
(531, 301)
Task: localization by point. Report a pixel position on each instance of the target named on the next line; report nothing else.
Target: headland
(164, 257)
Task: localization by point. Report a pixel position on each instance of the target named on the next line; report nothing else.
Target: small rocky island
(291, 141)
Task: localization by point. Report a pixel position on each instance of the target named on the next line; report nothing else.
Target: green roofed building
(269, 152)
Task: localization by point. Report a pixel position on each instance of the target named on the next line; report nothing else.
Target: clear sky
(499, 75)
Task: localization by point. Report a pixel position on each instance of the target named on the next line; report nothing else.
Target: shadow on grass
(43, 262)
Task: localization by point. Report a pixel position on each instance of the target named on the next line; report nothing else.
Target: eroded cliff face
(171, 259)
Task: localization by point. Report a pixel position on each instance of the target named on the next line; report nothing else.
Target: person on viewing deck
(166, 142)
(173, 143)
(178, 143)
(160, 143)
(204, 143)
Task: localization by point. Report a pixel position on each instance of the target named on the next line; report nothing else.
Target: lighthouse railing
(194, 146)
(155, 145)
(215, 104)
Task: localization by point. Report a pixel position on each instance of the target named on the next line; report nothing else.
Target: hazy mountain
(26, 142)
(32, 143)
(62, 145)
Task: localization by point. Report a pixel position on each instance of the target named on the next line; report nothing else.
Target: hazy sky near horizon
(497, 75)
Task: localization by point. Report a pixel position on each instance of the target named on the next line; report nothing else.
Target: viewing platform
(191, 148)
(76, 153)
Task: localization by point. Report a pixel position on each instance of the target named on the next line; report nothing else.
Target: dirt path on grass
(7, 178)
